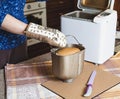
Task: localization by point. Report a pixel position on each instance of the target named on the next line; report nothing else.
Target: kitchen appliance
(94, 25)
(35, 12)
(28, 1)
(68, 67)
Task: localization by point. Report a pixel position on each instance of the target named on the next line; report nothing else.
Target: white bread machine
(94, 26)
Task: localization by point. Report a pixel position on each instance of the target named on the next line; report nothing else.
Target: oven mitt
(44, 34)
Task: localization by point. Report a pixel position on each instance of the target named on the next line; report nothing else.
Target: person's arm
(13, 25)
(48, 35)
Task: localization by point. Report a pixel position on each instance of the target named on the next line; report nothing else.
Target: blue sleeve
(2, 14)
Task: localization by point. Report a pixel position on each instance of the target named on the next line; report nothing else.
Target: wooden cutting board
(103, 81)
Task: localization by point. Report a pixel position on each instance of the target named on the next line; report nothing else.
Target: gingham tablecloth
(23, 81)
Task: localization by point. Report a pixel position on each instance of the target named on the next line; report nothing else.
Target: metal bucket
(68, 67)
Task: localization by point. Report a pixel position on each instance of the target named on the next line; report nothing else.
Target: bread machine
(94, 26)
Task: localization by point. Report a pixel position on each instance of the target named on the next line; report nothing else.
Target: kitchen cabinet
(117, 8)
(56, 8)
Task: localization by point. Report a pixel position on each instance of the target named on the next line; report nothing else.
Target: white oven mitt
(52, 36)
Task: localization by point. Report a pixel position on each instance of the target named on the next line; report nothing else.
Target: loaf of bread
(67, 51)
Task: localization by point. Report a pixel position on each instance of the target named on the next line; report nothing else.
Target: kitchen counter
(113, 93)
(112, 66)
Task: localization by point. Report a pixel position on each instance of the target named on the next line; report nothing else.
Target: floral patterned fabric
(14, 8)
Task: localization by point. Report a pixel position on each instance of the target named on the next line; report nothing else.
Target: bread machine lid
(95, 4)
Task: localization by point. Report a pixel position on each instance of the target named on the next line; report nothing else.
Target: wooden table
(112, 65)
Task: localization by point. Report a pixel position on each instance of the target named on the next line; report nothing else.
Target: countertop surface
(112, 65)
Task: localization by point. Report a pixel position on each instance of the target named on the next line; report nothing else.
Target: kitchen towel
(23, 81)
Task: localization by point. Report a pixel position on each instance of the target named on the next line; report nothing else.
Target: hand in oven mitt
(52, 36)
